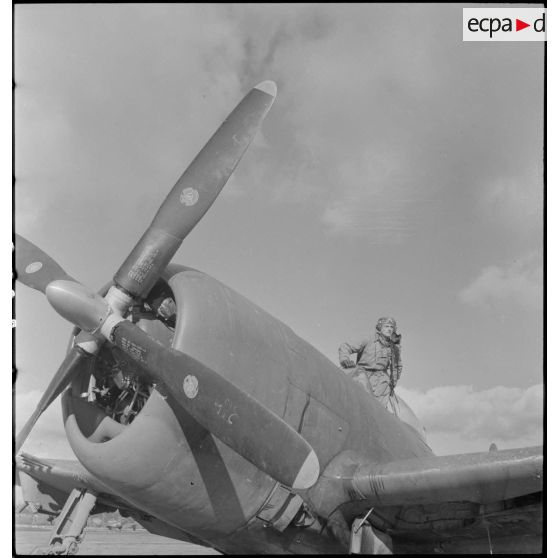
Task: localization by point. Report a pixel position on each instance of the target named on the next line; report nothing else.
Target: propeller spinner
(282, 452)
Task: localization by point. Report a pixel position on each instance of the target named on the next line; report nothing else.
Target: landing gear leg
(68, 528)
(367, 540)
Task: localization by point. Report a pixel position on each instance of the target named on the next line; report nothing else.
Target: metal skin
(180, 479)
(228, 412)
(213, 401)
(167, 465)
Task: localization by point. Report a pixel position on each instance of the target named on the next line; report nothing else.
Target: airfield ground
(104, 542)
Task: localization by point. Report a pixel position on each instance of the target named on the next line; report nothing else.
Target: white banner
(504, 24)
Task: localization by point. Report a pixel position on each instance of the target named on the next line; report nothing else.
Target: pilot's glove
(347, 362)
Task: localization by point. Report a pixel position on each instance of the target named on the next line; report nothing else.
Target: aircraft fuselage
(166, 464)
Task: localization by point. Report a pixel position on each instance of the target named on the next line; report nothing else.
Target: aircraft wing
(46, 484)
(469, 502)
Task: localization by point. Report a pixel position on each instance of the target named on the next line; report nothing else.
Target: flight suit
(378, 367)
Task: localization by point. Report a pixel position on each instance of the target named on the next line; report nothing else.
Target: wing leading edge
(478, 502)
(476, 477)
(48, 482)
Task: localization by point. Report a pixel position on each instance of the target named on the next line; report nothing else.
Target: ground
(114, 542)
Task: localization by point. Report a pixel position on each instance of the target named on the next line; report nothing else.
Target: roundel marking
(190, 386)
(33, 267)
(189, 196)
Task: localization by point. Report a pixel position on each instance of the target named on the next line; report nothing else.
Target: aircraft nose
(78, 304)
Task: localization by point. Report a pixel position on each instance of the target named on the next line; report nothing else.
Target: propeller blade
(229, 413)
(35, 268)
(195, 192)
(38, 270)
(76, 361)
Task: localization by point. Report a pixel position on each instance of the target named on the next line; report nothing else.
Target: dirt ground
(104, 542)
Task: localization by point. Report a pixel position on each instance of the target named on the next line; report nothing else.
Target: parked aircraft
(202, 417)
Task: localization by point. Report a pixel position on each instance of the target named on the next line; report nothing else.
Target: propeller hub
(78, 304)
(118, 300)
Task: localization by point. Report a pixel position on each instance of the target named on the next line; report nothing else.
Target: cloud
(48, 438)
(457, 418)
(377, 119)
(517, 200)
(368, 139)
(368, 204)
(75, 115)
(373, 118)
(521, 282)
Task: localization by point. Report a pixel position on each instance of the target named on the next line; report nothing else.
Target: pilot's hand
(347, 362)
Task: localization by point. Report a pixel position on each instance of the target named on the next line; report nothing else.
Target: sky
(399, 172)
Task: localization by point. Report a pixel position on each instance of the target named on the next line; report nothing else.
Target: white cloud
(369, 202)
(396, 122)
(459, 419)
(75, 115)
(521, 281)
(48, 437)
(369, 119)
(517, 199)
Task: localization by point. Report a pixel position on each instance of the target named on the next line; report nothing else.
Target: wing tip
(268, 87)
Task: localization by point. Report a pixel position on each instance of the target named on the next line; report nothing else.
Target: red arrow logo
(519, 25)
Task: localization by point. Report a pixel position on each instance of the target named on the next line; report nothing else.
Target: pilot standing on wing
(378, 362)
